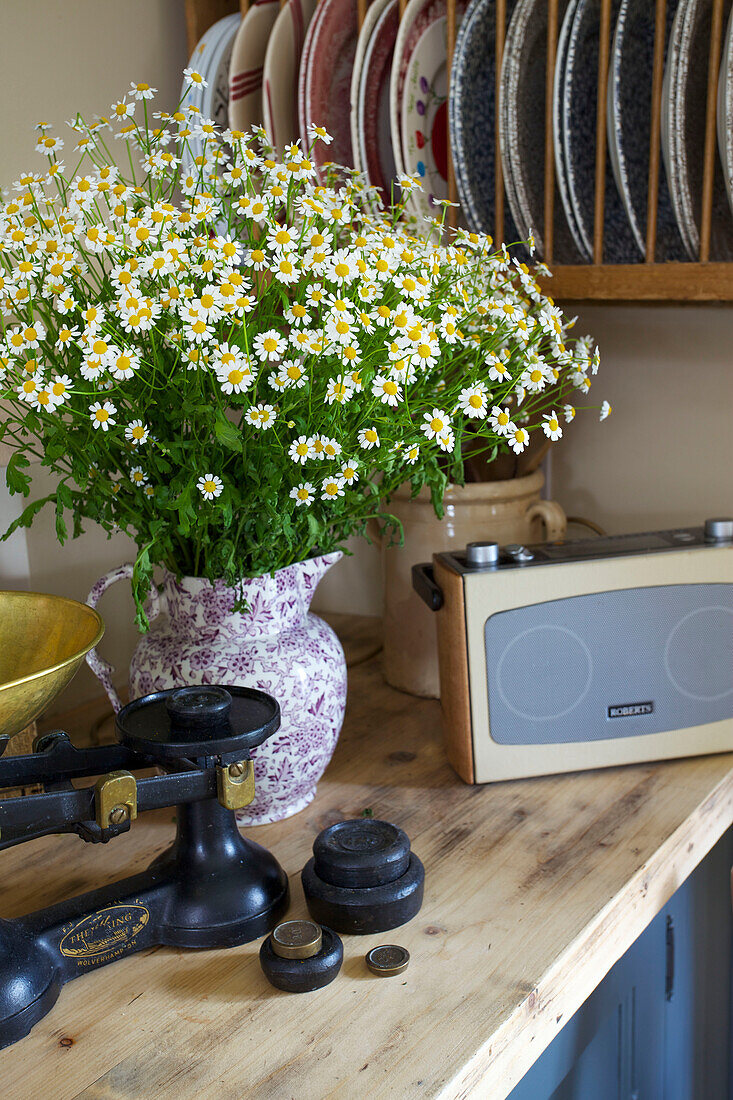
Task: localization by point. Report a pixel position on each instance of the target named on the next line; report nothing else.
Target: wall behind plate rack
(663, 458)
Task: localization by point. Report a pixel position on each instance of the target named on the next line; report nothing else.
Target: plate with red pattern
(326, 68)
(372, 121)
(424, 119)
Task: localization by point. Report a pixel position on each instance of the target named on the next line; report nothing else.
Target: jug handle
(102, 669)
(553, 517)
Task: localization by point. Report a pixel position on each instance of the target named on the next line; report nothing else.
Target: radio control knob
(518, 552)
(719, 529)
(482, 553)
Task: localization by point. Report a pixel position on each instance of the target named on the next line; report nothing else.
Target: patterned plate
(418, 16)
(522, 128)
(374, 134)
(424, 119)
(374, 11)
(472, 118)
(629, 125)
(579, 99)
(328, 65)
(683, 123)
(280, 73)
(245, 67)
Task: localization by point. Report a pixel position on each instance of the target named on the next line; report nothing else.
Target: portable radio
(584, 654)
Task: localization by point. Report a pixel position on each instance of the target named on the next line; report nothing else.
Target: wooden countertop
(534, 889)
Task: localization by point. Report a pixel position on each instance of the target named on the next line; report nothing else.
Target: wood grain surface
(534, 889)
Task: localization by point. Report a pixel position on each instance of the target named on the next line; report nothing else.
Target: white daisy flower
(332, 487)
(605, 411)
(501, 420)
(446, 440)
(138, 475)
(142, 90)
(102, 413)
(136, 433)
(339, 389)
(350, 473)
(551, 426)
(318, 133)
(331, 447)
(411, 454)
(568, 412)
(210, 486)
(261, 416)
(60, 388)
(123, 364)
(518, 439)
(303, 494)
(269, 345)
(42, 399)
(387, 390)
(299, 449)
(435, 422)
(193, 79)
(473, 401)
(368, 438)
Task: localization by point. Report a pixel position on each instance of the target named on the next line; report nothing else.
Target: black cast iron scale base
(212, 888)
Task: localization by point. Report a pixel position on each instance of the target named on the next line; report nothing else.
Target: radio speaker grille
(610, 664)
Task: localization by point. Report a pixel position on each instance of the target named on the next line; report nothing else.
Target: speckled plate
(579, 100)
(280, 73)
(328, 67)
(472, 117)
(683, 123)
(247, 62)
(521, 123)
(629, 125)
(725, 111)
(374, 133)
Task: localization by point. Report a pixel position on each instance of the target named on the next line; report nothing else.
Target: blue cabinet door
(658, 1025)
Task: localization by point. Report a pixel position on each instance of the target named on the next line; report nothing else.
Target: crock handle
(553, 517)
(102, 669)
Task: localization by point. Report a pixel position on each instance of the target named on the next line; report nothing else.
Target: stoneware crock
(499, 511)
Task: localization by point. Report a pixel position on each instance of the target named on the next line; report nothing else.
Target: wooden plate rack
(649, 280)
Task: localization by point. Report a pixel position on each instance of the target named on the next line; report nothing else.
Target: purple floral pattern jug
(278, 646)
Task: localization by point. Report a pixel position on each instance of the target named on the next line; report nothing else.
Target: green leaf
(17, 481)
(227, 434)
(26, 517)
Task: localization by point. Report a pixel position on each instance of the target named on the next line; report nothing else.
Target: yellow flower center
(475, 401)
(390, 387)
(101, 415)
(138, 432)
(294, 372)
(303, 494)
(270, 343)
(209, 486)
(436, 424)
(235, 377)
(342, 270)
(370, 435)
(99, 347)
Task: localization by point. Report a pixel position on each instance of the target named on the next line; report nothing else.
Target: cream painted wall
(665, 457)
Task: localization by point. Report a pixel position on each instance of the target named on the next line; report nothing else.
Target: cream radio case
(584, 654)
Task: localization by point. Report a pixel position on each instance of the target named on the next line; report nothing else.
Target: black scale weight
(211, 888)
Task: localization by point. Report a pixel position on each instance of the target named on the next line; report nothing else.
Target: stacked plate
(291, 68)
